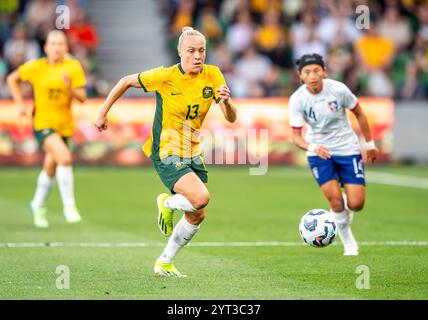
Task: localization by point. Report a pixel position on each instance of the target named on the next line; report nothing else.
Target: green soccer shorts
(41, 135)
(172, 168)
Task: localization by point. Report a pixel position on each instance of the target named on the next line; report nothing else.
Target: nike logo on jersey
(175, 93)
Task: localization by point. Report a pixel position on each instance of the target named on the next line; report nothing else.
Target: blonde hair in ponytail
(186, 32)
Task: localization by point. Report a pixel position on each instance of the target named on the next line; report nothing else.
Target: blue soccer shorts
(345, 169)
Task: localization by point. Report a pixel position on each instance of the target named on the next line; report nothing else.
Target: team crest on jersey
(179, 165)
(207, 92)
(333, 105)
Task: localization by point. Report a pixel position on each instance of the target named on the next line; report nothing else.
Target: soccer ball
(317, 228)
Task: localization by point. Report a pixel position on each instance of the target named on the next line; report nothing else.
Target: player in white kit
(332, 147)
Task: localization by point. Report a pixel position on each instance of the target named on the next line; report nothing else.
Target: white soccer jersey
(325, 114)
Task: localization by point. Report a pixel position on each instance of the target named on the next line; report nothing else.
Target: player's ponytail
(186, 32)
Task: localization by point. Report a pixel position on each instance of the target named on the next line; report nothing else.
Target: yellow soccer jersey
(52, 99)
(182, 102)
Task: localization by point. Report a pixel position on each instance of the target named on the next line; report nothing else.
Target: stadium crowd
(255, 42)
(23, 29)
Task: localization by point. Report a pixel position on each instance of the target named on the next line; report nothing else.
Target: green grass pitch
(118, 206)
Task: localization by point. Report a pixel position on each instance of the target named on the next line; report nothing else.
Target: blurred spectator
(20, 48)
(210, 25)
(423, 21)
(340, 58)
(292, 7)
(230, 8)
(76, 8)
(259, 7)
(221, 56)
(416, 76)
(379, 84)
(273, 82)
(3, 73)
(395, 28)
(336, 22)
(82, 32)
(240, 34)
(302, 31)
(376, 50)
(252, 70)
(183, 17)
(375, 54)
(282, 55)
(83, 40)
(40, 15)
(8, 10)
(313, 44)
(269, 35)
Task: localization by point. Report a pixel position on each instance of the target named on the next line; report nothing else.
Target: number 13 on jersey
(192, 111)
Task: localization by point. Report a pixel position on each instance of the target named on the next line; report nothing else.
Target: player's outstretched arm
(226, 105)
(320, 151)
(13, 81)
(118, 90)
(371, 149)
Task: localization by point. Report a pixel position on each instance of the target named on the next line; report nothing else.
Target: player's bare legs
(193, 189)
(196, 217)
(49, 165)
(58, 150)
(192, 197)
(332, 192)
(44, 182)
(44, 185)
(56, 147)
(342, 216)
(356, 196)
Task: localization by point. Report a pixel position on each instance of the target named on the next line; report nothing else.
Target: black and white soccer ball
(317, 228)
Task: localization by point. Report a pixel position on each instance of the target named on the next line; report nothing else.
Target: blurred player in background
(56, 81)
(332, 147)
(184, 93)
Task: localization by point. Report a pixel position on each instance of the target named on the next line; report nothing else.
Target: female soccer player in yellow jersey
(56, 80)
(184, 93)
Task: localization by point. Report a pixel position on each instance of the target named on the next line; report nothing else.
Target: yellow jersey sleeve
(27, 70)
(218, 82)
(78, 79)
(152, 80)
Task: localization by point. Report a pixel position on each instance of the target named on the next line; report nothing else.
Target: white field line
(195, 244)
(396, 179)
